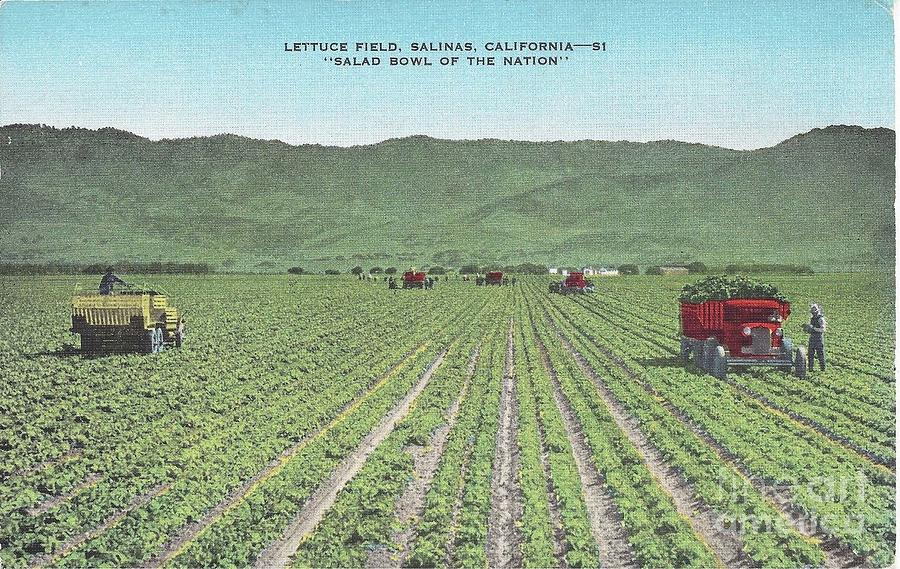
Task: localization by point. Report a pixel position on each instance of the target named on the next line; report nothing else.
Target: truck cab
(739, 332)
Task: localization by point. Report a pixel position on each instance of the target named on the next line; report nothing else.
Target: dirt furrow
(65, 457)
(279, 553)
(192, 531)
(411, 504)
(111, 521)
(837, 555)
(884, 463)
(504, 539)
(603, 515)
(559, 532)
(725, 543)
(55, 501)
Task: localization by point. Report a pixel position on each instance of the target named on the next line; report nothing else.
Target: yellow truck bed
(112, 310)
(133, 320)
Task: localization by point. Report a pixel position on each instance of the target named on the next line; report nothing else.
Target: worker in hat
(108, 280)
(816, 329)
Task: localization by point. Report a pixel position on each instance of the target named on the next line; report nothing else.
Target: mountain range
(822, 198)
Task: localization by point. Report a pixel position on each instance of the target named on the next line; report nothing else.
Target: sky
(732, 73)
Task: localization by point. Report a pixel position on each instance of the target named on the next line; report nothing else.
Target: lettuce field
(330, 422)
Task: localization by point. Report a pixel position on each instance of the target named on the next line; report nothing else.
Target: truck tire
(88, 343)
(800, 362)
(698, 348)
(179, 338)
(151, 341)
(686, 349)
(719, 367)
(709, 352)
(147, 341)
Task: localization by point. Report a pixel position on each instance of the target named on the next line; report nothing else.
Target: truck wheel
(698, 348)
(179, 338)
(147, 342)
(719, 363)
(88, 343)
(800, 362)
(685, 350)
(160, 340)
(709, 352)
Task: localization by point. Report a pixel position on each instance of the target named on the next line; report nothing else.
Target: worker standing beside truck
(816, 329)
(108, 281)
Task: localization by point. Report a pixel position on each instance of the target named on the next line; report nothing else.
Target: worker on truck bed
(108, 280)
(816, 329)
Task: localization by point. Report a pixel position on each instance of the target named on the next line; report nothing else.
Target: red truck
(739, 332)
(414, 279)
(494, 278)
(574, 283)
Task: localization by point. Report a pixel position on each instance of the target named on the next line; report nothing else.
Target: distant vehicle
(492, 278)
(575, 283)
(414, 279)
(739, 332)
(133, 320)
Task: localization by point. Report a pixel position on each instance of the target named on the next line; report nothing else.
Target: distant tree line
(777, 268)
(151, 268)
(695, 268)
(521, 269)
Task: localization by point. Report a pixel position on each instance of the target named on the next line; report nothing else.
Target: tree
(696, 267)
(468, 269)
(296, 270)
(357, 270)
(390, 271)
(530, 269)
(376, 271)
(437, 270)
(653, 271)
(332, 272)
(629, 269)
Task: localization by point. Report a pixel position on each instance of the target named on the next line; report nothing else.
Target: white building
(600, 272)
(554, 271)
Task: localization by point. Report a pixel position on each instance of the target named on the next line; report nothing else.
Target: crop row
(771, 446)
(715, 483)
(869, 426)
(659, 535)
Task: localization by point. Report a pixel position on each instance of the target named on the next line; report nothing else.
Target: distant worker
(108, 280)
(816, 329)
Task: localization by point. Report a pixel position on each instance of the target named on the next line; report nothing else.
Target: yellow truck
(135, 319)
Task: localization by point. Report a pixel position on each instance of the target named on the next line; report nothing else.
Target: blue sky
(717, 72)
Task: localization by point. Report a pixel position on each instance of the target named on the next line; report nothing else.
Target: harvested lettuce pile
(725, 288)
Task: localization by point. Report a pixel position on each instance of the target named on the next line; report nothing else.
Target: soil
(190, 531)
(115, 518)
(605, 519)
(280, 552)
(55, 501)
(65, 457)
(411, 504)
(837, 555)
(504, 539)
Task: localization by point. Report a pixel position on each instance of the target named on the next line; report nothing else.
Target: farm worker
(108, 280)
(816, 329)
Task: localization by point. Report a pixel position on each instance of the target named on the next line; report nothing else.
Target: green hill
(824, 198)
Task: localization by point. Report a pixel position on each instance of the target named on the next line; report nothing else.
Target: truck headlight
(747, 330)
